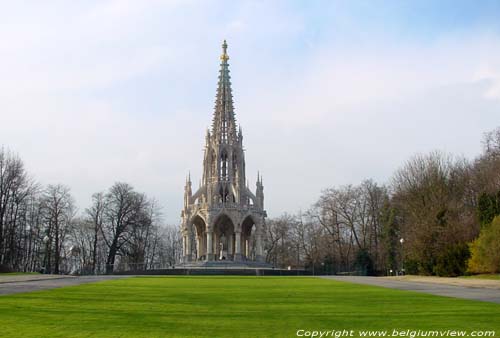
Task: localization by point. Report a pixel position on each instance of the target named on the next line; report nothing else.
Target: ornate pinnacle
(224, 57)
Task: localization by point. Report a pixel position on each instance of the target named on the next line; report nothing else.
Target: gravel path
(28, 283)
(474, 293)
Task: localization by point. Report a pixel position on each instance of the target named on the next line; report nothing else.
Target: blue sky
(327, 92)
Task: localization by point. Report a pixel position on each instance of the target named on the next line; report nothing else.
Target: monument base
(226, 264)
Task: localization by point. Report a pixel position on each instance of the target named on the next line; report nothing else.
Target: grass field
(231, 307)
(485, 276)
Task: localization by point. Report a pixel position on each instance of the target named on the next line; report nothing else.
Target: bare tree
(491, 143)
(351, 217)
(16, 188)
(60, 210)
(96, 216)
(281, 250)
(429, 194)
(170, 249)
(124, 211)
(310, 237)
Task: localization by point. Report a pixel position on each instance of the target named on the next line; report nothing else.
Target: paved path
(11, 278)
(454, 281)
(41, 282)
(482, 294)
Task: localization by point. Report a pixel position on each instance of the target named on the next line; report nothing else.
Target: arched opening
(224, 240)
(200, 238)
(235, 166)
(223, 193)
(224, 164)
(248, 239)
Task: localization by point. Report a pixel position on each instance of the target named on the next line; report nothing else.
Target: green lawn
(231, 307)
(485, 276)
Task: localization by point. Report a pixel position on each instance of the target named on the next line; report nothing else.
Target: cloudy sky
(327, 92)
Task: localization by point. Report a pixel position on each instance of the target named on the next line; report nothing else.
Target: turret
(259, 192)
(188, 192)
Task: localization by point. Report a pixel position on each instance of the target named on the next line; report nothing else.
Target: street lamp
(402, 240)
(46, 241)
(75, 253)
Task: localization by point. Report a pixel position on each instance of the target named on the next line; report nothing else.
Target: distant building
(223, 220)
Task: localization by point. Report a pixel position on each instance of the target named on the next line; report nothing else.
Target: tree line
(436, 216)
(41, 230)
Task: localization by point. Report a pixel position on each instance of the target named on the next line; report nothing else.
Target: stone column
(259, 254)
(210, 253)
(198, 247)
(230, 247)
(203, 249)
(184, 248)
(189, 252)
(247, 248)
(237, 249)
(215, 241)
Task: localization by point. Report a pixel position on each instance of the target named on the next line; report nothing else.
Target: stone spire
(224, 124)
(218, 218)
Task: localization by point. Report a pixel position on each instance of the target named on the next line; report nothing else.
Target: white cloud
(97, 92)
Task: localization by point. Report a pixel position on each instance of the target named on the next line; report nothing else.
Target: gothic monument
(223, 220)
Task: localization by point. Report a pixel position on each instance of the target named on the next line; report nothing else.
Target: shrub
(488, 207)
(485, 250)
(411, 267)
(452, 262)
(364, 263)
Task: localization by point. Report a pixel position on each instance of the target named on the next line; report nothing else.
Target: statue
(223, 247)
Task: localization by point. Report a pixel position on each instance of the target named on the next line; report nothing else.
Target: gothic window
(235, 165)
(223, 195)
(224, 130)
(224, 166)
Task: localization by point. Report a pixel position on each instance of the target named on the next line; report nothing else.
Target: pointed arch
(224, 237)
(224, 165)
(199, 237)
(248, 237)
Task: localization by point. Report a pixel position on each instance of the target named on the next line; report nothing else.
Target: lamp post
(402, 240)
(75, 253)
(46, 241)
(27, 244)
